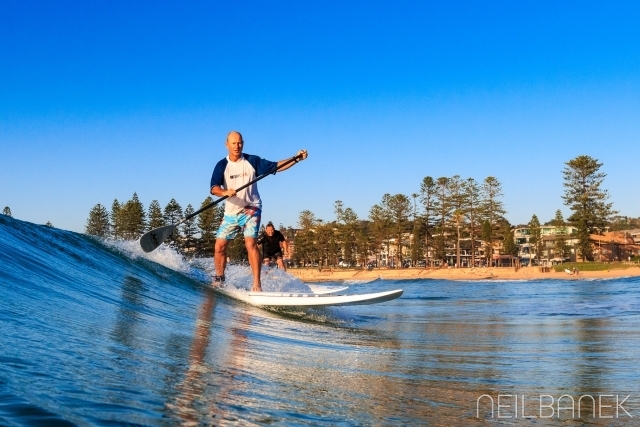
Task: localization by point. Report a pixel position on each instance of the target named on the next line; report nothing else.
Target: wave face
(95, 332)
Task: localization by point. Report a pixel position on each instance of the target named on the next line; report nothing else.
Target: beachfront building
(549, 234)
(466, 254)
(615, 246)
(634, 234)
(389, 255)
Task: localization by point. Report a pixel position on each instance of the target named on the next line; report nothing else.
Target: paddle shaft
(256, 179)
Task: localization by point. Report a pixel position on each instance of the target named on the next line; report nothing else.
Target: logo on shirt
(238, 175)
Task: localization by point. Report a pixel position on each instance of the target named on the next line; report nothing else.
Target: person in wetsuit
(274, 245)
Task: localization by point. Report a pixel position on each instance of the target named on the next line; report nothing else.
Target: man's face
(234, 144)
(269, 231)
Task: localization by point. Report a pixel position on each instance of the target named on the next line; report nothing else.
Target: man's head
(234, 144)
(269, 229)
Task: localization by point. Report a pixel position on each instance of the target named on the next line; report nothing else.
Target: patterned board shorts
(248, 220)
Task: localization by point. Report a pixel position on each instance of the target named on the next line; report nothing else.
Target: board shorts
(248, 220)
(272, 256)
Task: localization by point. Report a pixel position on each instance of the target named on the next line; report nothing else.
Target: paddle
(154, 238)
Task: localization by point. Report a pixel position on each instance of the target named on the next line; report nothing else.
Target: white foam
(203, 269)
(163, 255)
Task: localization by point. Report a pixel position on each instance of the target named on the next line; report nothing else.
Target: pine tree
(535, 238)
(585, 249)
(116, 224)
(6, 211)
(189, 230)
(237, 250)
(417, 246)
(492, 208)
(305, 244)
(98, 222)
(155, 216)
(173, 215)
(444, 213)
(322, 240)
(439, 244)
(305, 240)
(399, 208)
(459, 205)
(428, 199)
(509, 245)
(132, 218)
(561, 247)
(584, 195)
(306, 220)
(363, 242)
(473, 212)
(346, 221)
(487, 239)
(380, 225)
(208, 222)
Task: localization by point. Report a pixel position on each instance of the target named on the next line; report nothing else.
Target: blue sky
(101, 99)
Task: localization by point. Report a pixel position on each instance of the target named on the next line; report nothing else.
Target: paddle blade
(154, 238)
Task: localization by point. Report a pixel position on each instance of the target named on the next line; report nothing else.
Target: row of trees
(447, 212)
(129, 220)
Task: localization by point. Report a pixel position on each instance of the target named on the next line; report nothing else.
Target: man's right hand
(302, 154)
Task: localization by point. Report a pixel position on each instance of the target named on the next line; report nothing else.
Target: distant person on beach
(243, 209)
(274, 245)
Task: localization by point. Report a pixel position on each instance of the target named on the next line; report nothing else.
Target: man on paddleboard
(274, 244)
(243, 209)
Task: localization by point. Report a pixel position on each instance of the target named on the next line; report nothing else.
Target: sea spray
(202, 269)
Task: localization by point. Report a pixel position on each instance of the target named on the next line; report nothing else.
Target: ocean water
(97, 333)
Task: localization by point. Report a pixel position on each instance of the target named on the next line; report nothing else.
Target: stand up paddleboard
(321, 289)
(287, 299)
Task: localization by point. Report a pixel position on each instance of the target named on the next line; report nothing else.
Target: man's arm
(217, 180)
(303, 155)
(218, 191)
(285, 247)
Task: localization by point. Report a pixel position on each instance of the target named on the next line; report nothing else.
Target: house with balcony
(549, 235)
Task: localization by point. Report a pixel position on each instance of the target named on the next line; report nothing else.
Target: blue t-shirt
(232, 175)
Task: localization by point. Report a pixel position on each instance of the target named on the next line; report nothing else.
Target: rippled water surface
(94, 333)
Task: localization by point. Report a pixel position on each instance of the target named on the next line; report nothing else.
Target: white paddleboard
(321, 289)
(286, 299)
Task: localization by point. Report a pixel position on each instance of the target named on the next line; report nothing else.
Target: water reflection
(241, 364)
(129, 312)
(187, 404)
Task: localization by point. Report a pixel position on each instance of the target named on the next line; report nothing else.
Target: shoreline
(313, 275)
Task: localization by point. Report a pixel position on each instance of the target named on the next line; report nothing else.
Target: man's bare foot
(218, 282)
(256, 288)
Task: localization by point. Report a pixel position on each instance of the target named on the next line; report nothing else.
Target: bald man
(243, 209)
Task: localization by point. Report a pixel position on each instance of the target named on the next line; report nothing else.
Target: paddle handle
(256, 179)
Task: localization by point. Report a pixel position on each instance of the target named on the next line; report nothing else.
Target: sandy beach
(498, 273)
